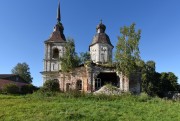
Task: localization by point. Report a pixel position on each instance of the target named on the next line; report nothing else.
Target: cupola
(101, 28)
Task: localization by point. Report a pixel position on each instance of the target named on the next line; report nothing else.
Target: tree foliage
(178, 86)
(167, 82)
(23, 70)
(70, 59)
(150, 78)
(28, 89)
(127, 50)
(11, 89)
(51, 85)
(154, 83)
(84, 57)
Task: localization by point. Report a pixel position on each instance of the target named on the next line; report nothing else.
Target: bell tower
(54, 49)
(101, 47)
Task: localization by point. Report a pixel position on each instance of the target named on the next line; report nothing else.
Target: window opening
(55, 53)
(79, 85)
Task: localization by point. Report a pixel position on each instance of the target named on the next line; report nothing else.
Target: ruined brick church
(86, 77)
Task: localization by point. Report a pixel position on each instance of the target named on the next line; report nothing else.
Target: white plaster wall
(54, 66)
(51, 64)
(101, 52)
(94, 53)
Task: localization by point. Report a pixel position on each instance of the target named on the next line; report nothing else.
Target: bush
(44, 92)
(50, 88)
(51, 85)
(111, 87)
(28, 89)
(144, 97)
(74, 93)
(10, 89)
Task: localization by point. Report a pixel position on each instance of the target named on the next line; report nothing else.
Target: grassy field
(64, 107)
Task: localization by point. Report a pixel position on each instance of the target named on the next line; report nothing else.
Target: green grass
(65, 107)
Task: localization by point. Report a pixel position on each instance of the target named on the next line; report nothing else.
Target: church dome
(101, 27)
(101, 36)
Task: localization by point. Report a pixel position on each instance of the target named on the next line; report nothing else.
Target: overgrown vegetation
(11, 89)
(70, 60)
(51, 85)
(68, 107)
(84, 57)
(14, 89)
(49, 88)
(28, 89)
(157, 84)
(128, 61)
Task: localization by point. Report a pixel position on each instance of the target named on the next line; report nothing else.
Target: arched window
(79, 85)
(55, 53)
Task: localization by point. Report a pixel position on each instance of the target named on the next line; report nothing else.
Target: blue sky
(26, 24)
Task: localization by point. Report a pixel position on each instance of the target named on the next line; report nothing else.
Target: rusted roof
(101, 38)
(4, 82)
(57, 35)
(3, 76)
(12, 77)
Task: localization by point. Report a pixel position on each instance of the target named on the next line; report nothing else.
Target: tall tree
(127, 50)
(167, 82)
(23, 70)
(70, 59)
(154, 83)
(150, 83)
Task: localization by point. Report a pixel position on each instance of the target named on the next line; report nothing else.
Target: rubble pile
(108, 90)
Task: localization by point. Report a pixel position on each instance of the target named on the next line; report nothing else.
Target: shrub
(10, 89)
(74, 93)
(51, 85)
(144, 97)
(111, 87)
(28, 89)
(44, 92)
(50, 88)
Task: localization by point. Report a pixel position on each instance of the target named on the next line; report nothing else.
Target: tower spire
(101, 21)
(58, 13)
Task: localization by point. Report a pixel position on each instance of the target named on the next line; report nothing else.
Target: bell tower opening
(55, 53)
